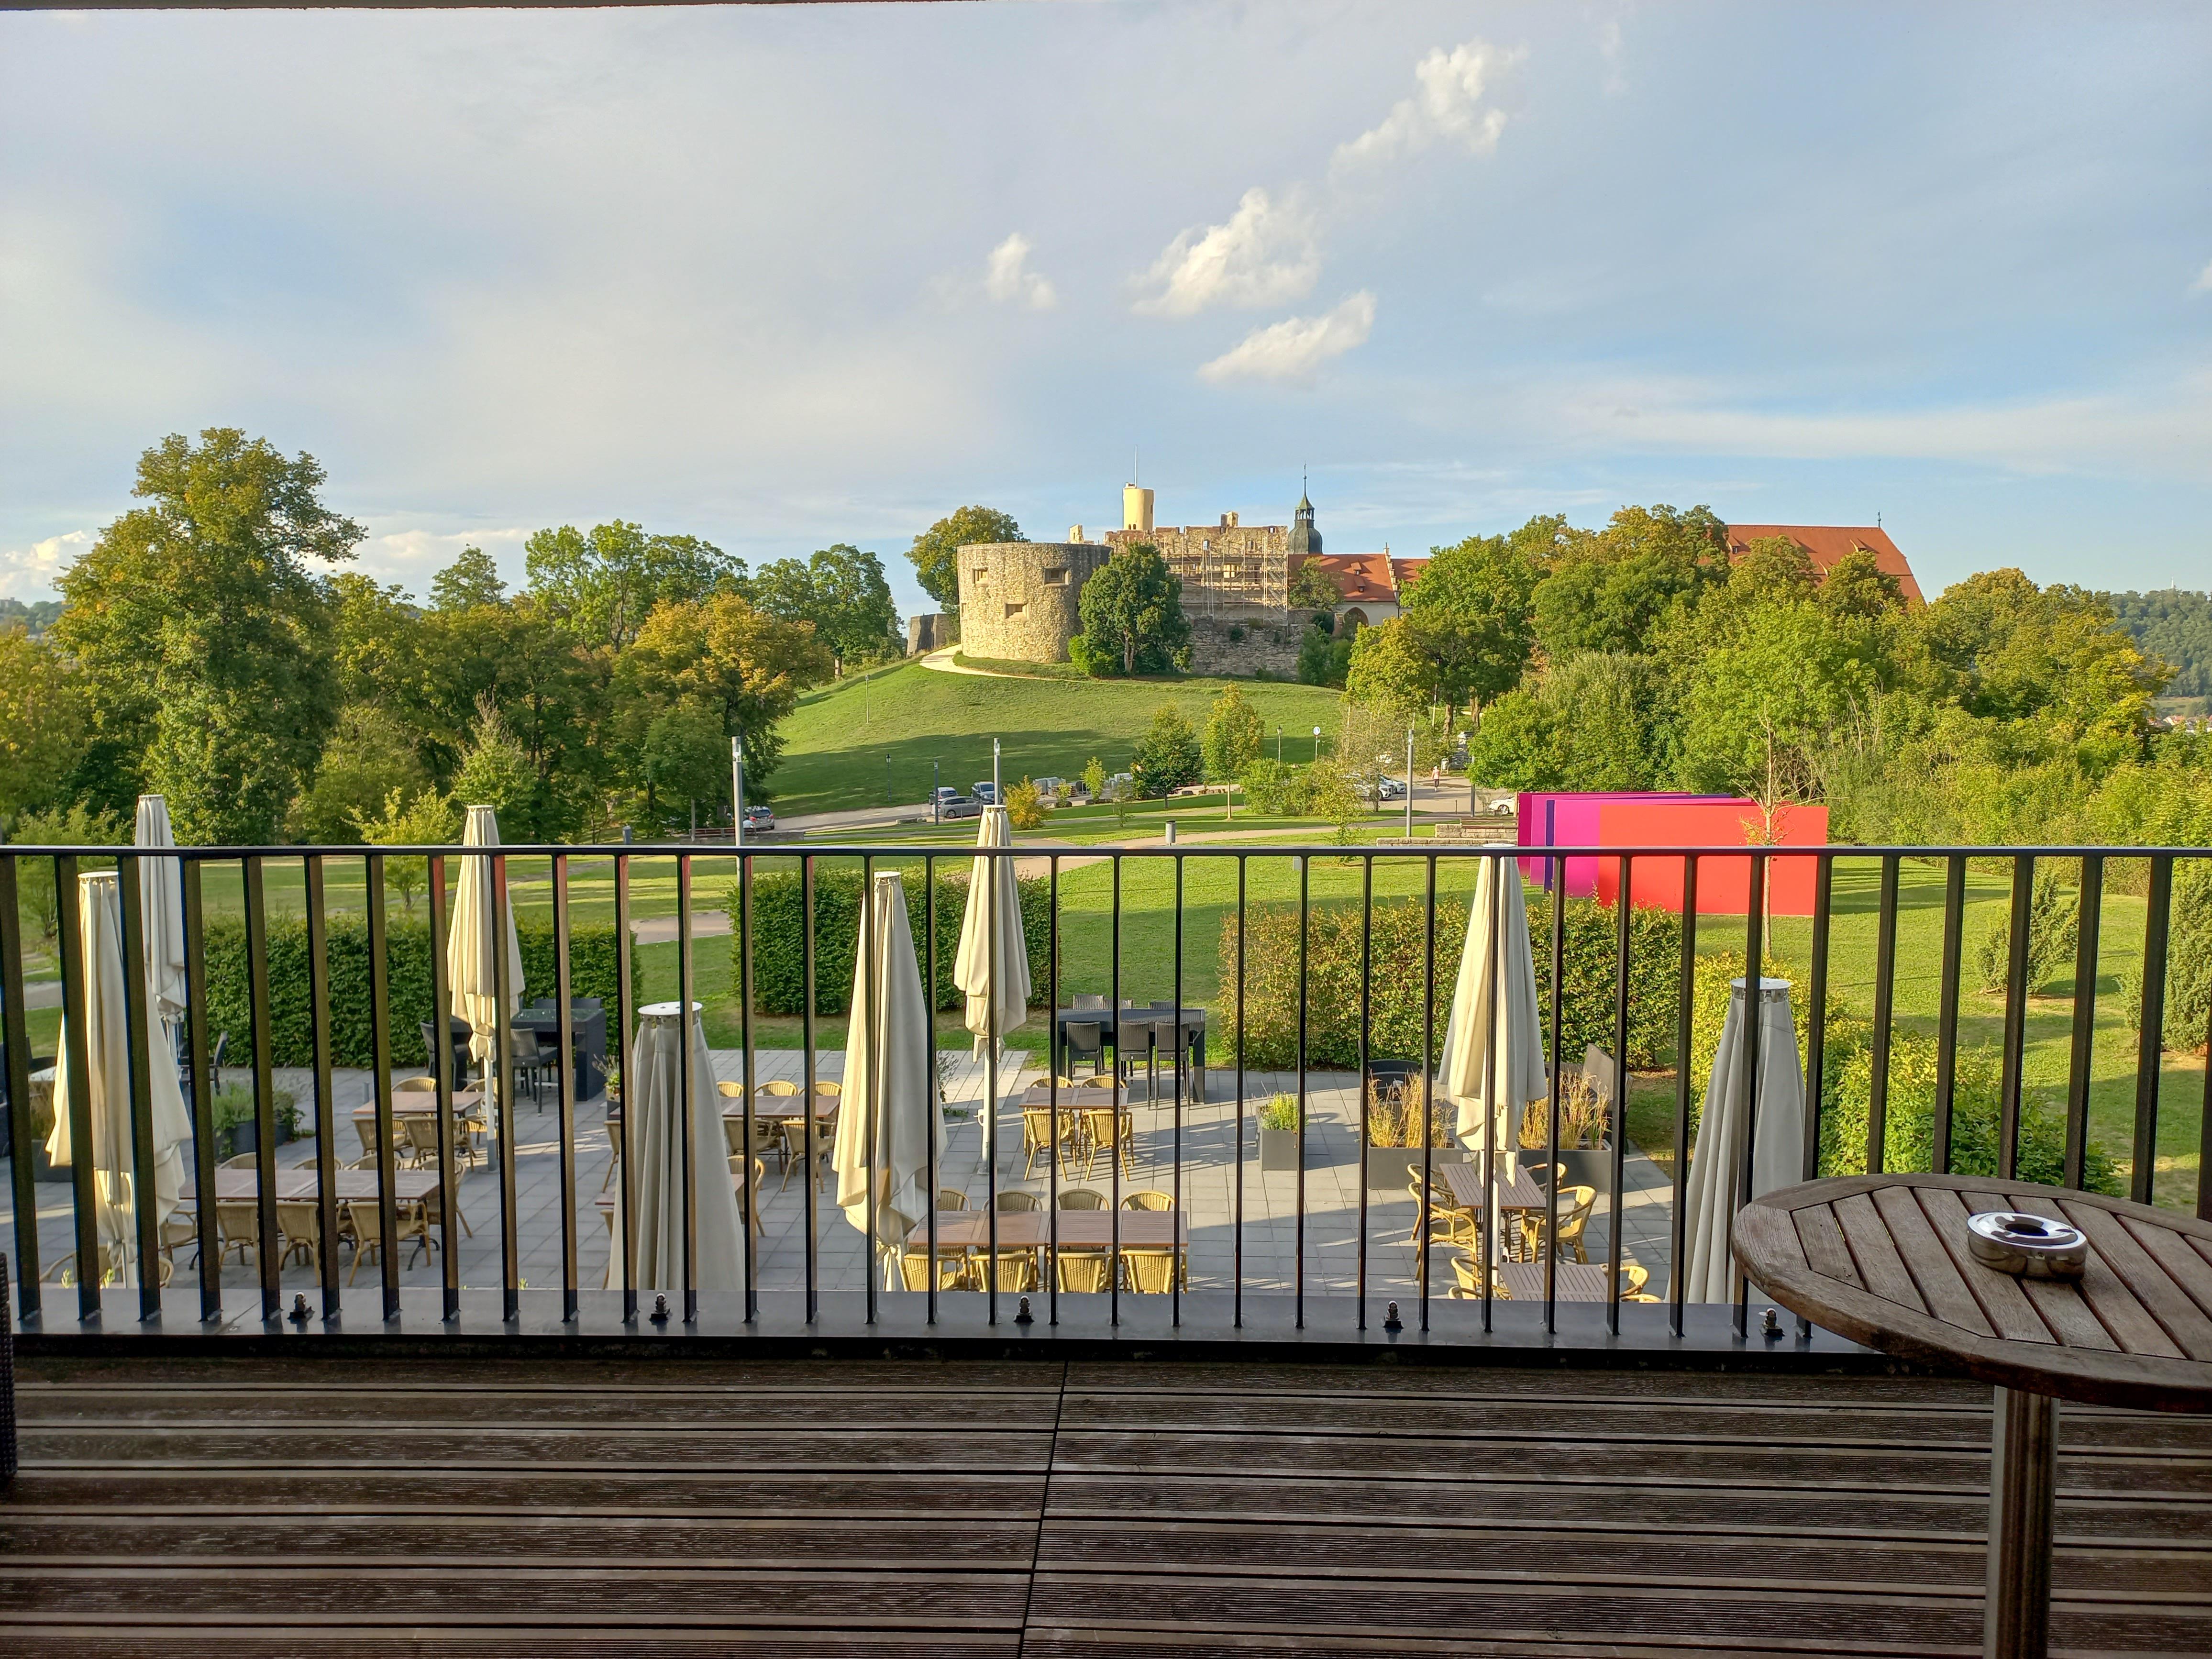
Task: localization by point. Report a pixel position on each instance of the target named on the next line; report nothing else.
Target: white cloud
(1007, 278)
(1446, 105)
(2203, 283)
(1611, 47)
(29, 573)
(1269, 251)
(1294, 348)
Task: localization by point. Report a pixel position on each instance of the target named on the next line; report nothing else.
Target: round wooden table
(1883, 1260)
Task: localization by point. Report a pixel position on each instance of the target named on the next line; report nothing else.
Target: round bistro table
(1883, 1260)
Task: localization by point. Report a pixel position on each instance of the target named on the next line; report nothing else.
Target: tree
(1234, 732)
(1312, 588)
(601, 586)
(1332, 793)
(684, 759)
(471, 581)
(496, 772)
(1323, 659)
(1608, 592)
(936, 551)
(843, 591)
(1132, 620)
(2013, 651)
(204, 637)
(1094, 778)
(1168, 757)
(1391, 664)
(722, 655)
(370, 757)
(1472, 612)
(425, 818)
(42, 718)
(1857, 586)
(1025, 806)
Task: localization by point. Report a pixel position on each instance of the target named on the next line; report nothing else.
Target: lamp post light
(887, 779)
(1316, 745)
(1279, 745)
(936, 793)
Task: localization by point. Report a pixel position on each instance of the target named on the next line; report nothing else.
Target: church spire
(1304, 537)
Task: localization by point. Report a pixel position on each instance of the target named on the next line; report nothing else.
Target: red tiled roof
(1361, 578)
(1404, 573)
(1825, 544)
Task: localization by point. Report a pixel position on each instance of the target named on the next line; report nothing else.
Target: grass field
(836, 744)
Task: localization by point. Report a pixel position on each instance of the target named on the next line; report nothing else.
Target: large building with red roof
(1826, 544)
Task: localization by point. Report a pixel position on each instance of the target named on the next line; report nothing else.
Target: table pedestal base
(2023, 1480)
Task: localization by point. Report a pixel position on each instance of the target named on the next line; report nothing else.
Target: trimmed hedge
(1270, 972)
(592, 966)
(779, 944)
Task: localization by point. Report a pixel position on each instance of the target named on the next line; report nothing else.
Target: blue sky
(792, 275)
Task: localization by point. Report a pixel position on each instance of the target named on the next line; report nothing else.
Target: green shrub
(2188, 962)
(1271, 971)
(1281, 1112)
(2053, 924)
(779, 963)
(592, 966)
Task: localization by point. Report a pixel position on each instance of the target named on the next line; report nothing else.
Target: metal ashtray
(2032, 1246)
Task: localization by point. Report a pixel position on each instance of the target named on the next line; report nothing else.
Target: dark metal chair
(1084, 1039)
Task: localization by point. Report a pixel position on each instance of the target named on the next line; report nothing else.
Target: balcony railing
(1268, 1252)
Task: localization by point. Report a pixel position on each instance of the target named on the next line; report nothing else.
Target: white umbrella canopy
(470, 963)
(1493, 1055)
(107, 1077)
(993, 966)
(161, 904)
(889, 1075)
(1709, 1199)
(653, 1092)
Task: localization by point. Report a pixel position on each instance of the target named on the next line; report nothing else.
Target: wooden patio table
(1465, 1180)
(1884, 1260)
(298, 1183)
(1578, 1281)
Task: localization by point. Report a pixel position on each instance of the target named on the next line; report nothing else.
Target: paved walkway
(943, 663)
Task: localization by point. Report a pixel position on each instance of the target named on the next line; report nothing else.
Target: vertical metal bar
(566, 1050)
(872, 958)
(1754, 994)
(510, 1252)
(1684, 1028)
(2089, 915)
(1428, 1105)
(626, 1046)
(987, 1119)
(70, 944)
(1237, 1236)
(1175, 1273)
(137, 1062)
(1306, 920)
(806, 1062)
(2150, 1048)
(1557, 888)
(318, 1009)
(440, 1059)
(687, 1128)
(1052, 1095)
(379, 1026)
(1113, 1172)
(2015, 1015)
(936, 1094)
(1816, 1013)
(15, 1035)
(1620, 971)
(753, 1194)
(1884, 1008)
(264, 1119)
(1366, 1081)
(202, 1104)
(1947, 1013)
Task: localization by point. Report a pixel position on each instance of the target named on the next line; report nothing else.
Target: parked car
(962, 806)
(760, 817)
(986, 792)
(1389, 788)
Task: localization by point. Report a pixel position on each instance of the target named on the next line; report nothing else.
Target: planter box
(238, 1139)
(1586, 1166)
(1391, 1168)
(1278, 1149)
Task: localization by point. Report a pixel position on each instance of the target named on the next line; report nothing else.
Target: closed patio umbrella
(1493, 1055)
(1710, 1199)
(992, 967)
(107, 1066)
(652, 1095)
(890, 1077)
(470, 963)
(162, 903)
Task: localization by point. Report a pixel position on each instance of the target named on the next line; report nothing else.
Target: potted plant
(286, 1111)
(1394, 1129)
(1585, 1147)
(235, 1131)
(1278, 1134)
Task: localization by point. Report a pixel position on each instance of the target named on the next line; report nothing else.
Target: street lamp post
(1409, 783)
(936, 793)
(1279, 745)
(1316, 745)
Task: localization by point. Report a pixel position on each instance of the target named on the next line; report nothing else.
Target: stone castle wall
(1018, 599)
(1245, 648)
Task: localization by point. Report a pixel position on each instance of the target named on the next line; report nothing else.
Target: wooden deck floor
(251, 1508)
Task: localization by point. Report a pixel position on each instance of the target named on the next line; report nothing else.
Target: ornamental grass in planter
(1585, 1132)
(1278, 1134)
(1394, 1114)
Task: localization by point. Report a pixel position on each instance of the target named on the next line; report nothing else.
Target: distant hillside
(34, 618)
(2175, 623)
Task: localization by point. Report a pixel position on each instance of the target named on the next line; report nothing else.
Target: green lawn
(836, 744)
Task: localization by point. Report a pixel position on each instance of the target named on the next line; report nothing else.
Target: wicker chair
(1150, 1272)
(1634, 1275)
(1082, 1198)
(914, 1270)
(1449, 1222)
(1108, 1131)
(951, 1198)
(1151, 1199)
(1082, 1270)
(1017, 1201)
(299, 1232)
(1577, 1202)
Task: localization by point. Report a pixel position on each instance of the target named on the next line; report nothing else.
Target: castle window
(1013, 611)
(1055, 576)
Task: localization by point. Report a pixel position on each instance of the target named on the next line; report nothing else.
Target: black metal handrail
(253, 863)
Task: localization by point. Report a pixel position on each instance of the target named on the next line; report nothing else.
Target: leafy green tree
(496, 772)
(1275, 789)
(1609, 591)
(369, 757)
(936, 551)
(722, 655)
(426, 818)
(1168, 757)
(1132, 620)
(685, 760)
(601, 585)
(1332, 793)
(1094, 778)
(1391, 664)
(42, 718)
(73, 825)
(2012, 651)
(204, 637)
(1234, 732)
(1597, 721)
(1857, 586)
(2173, 625)
(843, 591)
(1324, 659)
(471, 581)
(1312, 588)
(1471, 611)
(1025, 806)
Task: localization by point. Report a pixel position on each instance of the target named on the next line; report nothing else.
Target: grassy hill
(836, 742)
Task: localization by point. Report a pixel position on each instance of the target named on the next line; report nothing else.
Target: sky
(789, 277)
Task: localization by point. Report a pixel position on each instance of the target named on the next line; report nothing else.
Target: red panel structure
(1723, 883)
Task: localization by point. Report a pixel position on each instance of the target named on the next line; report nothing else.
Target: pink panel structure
(1723, 883)
(1569, 818)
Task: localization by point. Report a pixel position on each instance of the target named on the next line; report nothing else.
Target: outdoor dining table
(419, 1102)
(1887, 1260)
(1577, 1281)
(298, 1184)
(1159, 1020)
(1464, 1181)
